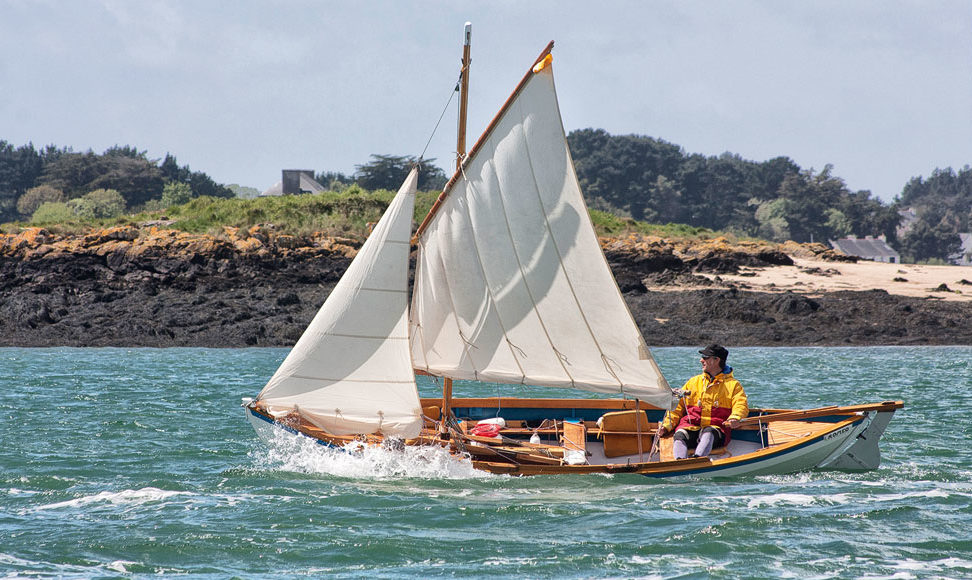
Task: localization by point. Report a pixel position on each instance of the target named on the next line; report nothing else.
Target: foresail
(511, 285)
(351, 373)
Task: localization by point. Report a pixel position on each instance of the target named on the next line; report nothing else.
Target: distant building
(870, 248)
(964, 255)
(295, 181)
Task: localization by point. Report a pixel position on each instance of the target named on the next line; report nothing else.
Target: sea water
(131, 463)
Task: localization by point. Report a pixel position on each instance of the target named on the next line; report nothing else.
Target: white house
(870, 248)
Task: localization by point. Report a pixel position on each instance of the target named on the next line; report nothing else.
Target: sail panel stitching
(364, 336)
(416, 307)
(560, 256)
(452, 304)
(536, 188)
(387, 290)
(482, 268)
(347, 380)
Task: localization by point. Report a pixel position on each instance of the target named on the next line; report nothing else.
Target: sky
(881, 90)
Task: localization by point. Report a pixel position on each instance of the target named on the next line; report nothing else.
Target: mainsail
(511, 285)
(350, 372)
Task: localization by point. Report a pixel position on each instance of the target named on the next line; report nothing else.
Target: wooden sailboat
(511, 287)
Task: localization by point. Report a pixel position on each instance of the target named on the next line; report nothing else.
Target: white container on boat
(575, 457)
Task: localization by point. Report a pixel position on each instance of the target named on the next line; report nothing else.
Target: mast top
(467, 34)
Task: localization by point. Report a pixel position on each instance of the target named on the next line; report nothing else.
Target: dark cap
(715, 350)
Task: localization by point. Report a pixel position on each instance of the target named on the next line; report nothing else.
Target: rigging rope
(444, 109)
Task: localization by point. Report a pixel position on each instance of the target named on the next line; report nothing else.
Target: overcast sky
(242, 89)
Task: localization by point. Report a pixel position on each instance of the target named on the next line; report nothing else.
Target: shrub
(34, 197)
(52, 212)
(99, 204)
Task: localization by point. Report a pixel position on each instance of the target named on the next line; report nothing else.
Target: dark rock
(224, 299)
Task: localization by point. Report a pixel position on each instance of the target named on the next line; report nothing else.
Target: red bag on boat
(485, 430)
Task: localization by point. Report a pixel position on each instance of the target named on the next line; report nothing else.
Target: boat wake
(285, 452)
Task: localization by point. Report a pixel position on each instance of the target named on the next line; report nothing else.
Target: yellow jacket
(711, 401)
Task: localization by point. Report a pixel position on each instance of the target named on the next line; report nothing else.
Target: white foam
(124, 497)
(782, 498)
(119, 565)
(288, 452)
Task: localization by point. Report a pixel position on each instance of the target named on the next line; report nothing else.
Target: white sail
(350, 372)
(511, 284)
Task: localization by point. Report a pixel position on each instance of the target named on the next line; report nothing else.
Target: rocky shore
(157, 287)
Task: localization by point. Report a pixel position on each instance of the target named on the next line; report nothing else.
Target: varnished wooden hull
(788, 441)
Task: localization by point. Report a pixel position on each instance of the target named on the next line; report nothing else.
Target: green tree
(925, 241)
(771, 217)
(389, 171)
(837, 225)
(943, 204)
(664, 201)
(334, 180)
(134, 177)
(200, 183)
(814, 209)
(73, 172)
(34, 197)
(622, 172)
(175, 193)
(19, 169)
(203, 184)
(172, 172)
(98, 204)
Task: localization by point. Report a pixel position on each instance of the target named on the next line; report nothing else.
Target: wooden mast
(460, 156)
(463, 95)
(482, 139)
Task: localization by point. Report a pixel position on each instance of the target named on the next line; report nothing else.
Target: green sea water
(134, 463)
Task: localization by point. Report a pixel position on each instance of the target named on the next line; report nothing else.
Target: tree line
(62, 183)
(653, 180)
(942, 206)
(634, 176)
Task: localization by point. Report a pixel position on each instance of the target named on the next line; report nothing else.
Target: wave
(125, 497)
(287, 452)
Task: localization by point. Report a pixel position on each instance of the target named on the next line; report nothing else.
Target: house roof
(874, 248)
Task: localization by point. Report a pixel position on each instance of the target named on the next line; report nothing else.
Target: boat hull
(842, 439)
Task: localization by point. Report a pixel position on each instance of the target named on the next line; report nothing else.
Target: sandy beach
(816, 276)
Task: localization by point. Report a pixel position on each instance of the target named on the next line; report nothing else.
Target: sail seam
(560, 256)
(347, 380)
(452, 304)
(365, 336)
(388, 290)
(519, 263)
(482, 269)
(416, 306)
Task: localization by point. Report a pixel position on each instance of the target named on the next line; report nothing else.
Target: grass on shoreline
(344, 213)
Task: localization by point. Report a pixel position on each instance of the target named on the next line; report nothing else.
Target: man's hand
(732, 423)
(662, 431)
